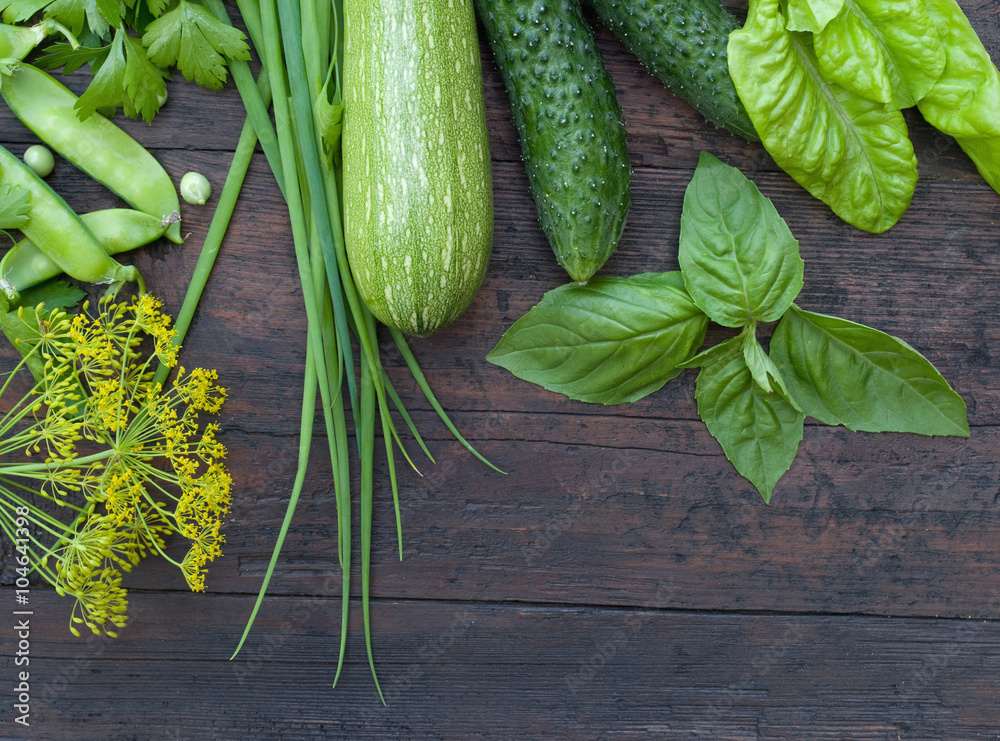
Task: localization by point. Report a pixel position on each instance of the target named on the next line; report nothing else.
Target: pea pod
(57, 230)
(16, 42)
(95, 145)
(117, 229)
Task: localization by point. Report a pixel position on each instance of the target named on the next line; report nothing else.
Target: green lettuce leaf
(848, 151)
(886, 50)
(845, 373)
(610, 341)
(811, 15)
(759, 432)
(965, 101)
(985, 153)
(739, 260)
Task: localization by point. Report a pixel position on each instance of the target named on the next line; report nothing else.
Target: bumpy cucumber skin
(417, 186)
(683, 43)
(570, 125)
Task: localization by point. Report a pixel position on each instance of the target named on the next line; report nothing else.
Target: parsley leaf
(123, 77)
(64, 55)
(16, 11)
(76, 14)
(55, 294)
(112, 10)
(14, 206)
(196, 42)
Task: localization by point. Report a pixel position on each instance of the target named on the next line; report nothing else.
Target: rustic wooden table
(621, 581)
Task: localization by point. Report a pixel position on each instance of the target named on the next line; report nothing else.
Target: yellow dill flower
(152, 471)
(100, 600)
(193, 568)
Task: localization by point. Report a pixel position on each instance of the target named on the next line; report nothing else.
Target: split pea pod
(16, 42)
(95, 145)
(59, 232)
(117, 229)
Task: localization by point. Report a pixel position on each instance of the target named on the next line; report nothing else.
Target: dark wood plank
(459, 671)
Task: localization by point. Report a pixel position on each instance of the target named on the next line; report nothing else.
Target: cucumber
(683, 43)
(417, 187)
(570, 125)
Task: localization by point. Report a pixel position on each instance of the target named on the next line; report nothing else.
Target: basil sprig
(615, 340)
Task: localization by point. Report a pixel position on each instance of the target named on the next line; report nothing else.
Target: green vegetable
(570, 126)
(811, 15)
(884, 50)
(610, 341)
(39, 159)
(58, 232)
(683, 43)
(97, 146)
(117, 229)
(618, 339)
(845, 373)
(195, 188)
(985, 154)
(965, 100)
(850, 152)
(418, 198)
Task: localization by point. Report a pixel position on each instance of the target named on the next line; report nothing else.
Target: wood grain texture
(621, 581)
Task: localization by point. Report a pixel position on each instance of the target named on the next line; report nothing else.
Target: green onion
(300, 44)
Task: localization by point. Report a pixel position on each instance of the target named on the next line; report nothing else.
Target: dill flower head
(134, 462)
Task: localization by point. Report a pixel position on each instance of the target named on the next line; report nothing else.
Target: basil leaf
(759, 432)
(965, 101)
(985, 153)
(609, 341)
(886, 50)
(762, 368)
(811, 15)
(739, 260)
(845, 373)
(846, 150)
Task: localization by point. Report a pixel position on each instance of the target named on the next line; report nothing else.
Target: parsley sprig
(132, 46)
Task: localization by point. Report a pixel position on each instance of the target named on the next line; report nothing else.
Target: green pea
(39, 159)
(195, 188)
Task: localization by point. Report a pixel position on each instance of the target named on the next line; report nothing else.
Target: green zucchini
(683, 43)
(417, 187)
(570, 125)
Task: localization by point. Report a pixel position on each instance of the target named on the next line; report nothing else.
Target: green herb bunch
(129, 461)
(616, 340)
(132, 46)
